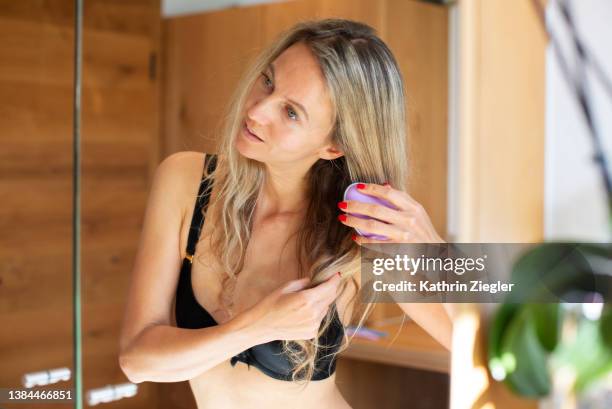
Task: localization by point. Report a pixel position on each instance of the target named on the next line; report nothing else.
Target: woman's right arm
(155, 275)
(163, 353)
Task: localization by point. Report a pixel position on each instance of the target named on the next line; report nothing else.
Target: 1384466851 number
(34, 395)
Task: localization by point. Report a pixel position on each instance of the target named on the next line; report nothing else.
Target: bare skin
(153, 349)
(217, 387)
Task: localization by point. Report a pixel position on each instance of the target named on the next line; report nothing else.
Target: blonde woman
(248, 269)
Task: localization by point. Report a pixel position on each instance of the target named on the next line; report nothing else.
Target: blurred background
(499, 153)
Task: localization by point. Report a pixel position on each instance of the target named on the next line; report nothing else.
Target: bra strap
(210, 161)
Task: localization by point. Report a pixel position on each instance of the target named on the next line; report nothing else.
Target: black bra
(267, 357)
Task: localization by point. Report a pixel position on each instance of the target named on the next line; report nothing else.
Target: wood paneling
(406, 344)
(121, 125)
(368, 385)
(502, 117)
(417, 33)
(119, 137)
(35, 117)
(501, 156)
(205, 55)
(279, 17)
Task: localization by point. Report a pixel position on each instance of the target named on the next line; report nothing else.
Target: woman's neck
(283, 193)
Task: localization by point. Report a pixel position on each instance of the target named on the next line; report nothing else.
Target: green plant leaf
(504, 314)
(523, 336)
(586, 354)
(605, 326)
(553, 270)
(521, 344)
(547, 320)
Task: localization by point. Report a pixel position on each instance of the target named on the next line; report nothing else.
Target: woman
(273, 279)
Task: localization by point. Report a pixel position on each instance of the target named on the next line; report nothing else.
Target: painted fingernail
(342, 205)
(386, 184)
(361, 186)
(342, 217)
(354, 237)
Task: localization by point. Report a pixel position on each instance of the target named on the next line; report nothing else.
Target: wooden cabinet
(501, 165)
(119, 137)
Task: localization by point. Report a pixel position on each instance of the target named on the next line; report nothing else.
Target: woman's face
(289, 109)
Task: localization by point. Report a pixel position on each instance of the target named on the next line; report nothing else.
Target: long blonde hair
(367, 93)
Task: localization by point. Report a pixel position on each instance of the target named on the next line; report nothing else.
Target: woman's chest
(270, 261)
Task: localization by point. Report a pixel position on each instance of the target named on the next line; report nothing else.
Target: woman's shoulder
(183, 159)
(185, 169)
(187, 163)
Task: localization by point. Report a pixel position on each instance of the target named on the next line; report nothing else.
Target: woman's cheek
(292, 144)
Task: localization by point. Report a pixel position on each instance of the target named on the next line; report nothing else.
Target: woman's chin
(244, 149)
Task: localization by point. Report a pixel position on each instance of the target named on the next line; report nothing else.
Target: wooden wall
(119, 139)
(502, 115)
(501, 156)
(205, 55)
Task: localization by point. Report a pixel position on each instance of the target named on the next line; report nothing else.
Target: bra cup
(270, 355)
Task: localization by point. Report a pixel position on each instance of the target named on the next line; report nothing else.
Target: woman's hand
(408, 223)
(294, 311)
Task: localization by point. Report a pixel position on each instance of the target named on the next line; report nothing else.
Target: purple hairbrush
(352, 193)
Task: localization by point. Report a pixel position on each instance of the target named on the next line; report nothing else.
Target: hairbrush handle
(352, 193)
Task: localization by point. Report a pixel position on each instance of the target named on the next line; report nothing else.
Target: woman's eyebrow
(297, 104)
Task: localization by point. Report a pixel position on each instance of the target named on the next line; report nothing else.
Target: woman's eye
(266, 78)
(292, 111)
(289, 109)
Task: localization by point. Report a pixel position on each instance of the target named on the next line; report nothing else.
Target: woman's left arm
(408, 223)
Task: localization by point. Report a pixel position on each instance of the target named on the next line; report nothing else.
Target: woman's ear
(331, 152)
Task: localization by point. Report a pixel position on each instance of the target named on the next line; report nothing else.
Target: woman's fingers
(374, 210)
(324, 291)
(374, 226)
(398, 198)
(409, 223)
(295, 285)
(296, 311)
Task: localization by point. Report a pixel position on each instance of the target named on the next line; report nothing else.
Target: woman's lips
(250, 135)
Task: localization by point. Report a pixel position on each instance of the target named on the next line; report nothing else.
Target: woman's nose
(262, 109)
